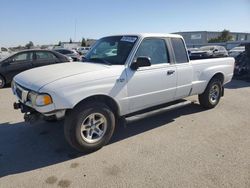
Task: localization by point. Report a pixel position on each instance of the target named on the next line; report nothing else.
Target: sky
(51, 21)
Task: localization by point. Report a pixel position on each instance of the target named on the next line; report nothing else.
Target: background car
(190, 50)
(83, 50)
(209, 52)
(24, 60)
(70, 53)
(236, 51)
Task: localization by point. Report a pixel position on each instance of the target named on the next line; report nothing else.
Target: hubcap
(214, 94)
(93, 127)
(1, 82)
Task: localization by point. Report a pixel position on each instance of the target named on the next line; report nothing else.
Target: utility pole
(75, 31)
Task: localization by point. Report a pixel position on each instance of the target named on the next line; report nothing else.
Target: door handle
(170, 72)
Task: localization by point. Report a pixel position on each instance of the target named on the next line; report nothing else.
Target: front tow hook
(16, 105)
(31, 117)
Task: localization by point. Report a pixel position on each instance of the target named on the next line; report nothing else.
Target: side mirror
(216, 50)
(141, 62)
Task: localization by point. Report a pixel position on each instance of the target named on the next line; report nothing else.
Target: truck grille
(19, 93)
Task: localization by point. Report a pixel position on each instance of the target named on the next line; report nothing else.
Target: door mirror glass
(141, 62)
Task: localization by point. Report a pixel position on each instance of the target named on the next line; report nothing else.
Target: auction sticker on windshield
(128, 39)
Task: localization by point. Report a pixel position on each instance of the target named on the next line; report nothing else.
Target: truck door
(155, 84)
(183, 67)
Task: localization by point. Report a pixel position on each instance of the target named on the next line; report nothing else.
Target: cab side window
(22, 57)
(155, 49)
(179, 50)
(45, 56)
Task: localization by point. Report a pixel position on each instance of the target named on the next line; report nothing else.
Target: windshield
(111, 50)
(241, 48)
(207, 48)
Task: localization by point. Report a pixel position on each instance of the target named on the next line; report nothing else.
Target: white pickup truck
(145, 71)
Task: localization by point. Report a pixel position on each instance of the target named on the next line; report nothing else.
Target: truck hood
(36, 78)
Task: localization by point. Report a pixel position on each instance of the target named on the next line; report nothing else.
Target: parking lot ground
(184, 147)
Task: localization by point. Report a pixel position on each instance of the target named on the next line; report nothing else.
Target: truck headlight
(39, 99)
(43, 100)
(13, 86)
(32, 97)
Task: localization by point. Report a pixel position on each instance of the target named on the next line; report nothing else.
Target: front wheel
(89, 127)
(2, 82)
(211, 96)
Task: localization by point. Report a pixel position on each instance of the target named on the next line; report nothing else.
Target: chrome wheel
(93, 128)
(214, 94)
(2, 83)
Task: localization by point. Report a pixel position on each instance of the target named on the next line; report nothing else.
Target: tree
(83, 42)
(43, 47)
(223, 37)
(29, 45)
(59, 43)
(70, 40)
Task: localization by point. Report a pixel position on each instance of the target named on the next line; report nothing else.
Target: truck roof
(143, 35)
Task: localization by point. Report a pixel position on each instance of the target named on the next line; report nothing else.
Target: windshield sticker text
(128, 39)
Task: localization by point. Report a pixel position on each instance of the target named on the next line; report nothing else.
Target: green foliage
(70, 40)
(224, 37)
(59, 43)
(29, 45)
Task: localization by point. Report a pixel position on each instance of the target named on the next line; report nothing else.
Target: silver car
(70, 53)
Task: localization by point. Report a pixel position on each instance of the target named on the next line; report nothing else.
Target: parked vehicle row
(122, 75)
(234, 52)
(207, 52)
(24, 60)
(83, 50)
(70, 53)
(242, 63)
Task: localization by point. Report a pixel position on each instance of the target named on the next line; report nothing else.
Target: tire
(83, 120)
(2, 82)
(211, 96)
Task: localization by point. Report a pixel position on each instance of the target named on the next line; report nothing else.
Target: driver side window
(155, 49)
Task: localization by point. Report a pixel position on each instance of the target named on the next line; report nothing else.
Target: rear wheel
(211, 96)
(2, 81)
(89, 127)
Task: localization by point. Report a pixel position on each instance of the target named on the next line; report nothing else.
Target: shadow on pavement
(25, 147)
(236, 84)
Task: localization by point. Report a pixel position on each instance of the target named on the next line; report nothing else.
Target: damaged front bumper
(31, 111)
(31, 115)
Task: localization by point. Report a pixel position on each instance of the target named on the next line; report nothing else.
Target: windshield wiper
(99, 60)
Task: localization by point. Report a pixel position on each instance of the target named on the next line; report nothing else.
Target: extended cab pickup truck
(145, 71)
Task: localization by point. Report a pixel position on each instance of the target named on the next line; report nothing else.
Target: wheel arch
(220, 76)
(107, 100)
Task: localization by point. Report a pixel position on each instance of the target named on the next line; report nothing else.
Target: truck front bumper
(30, 111)
(31, 115)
